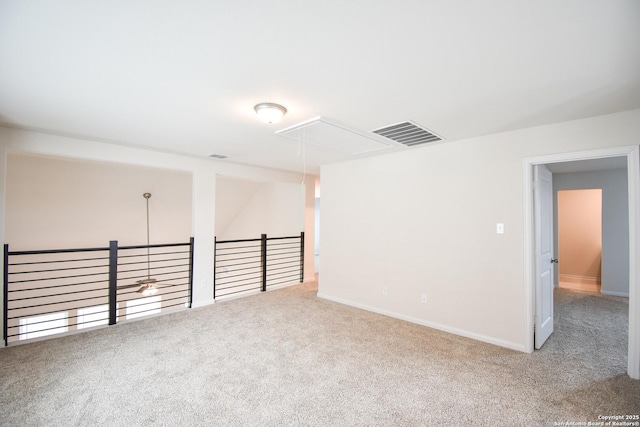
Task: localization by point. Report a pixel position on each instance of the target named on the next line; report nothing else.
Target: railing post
(191, 271)
(263, 250)
(215, 263)
(301, 256)
(113, 281)
(5, 305)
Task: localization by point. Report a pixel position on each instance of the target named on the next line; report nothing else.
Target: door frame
(632, 153)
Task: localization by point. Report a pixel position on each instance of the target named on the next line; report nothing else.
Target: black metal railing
(246, 265)
(48, 292)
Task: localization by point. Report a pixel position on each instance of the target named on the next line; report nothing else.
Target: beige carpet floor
(288, 358)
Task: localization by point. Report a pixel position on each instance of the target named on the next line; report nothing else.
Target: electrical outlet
(385, 290)
(423, 298)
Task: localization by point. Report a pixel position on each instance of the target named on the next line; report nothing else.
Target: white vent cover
(218, 156)
(330, 135)
(407, 133)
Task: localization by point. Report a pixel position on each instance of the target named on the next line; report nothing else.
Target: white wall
(615, 223)
(423, 221)
(246, 209)
(56, 202)
(203, 172)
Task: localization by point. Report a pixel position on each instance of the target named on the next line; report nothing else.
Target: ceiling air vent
(218, 156)
(407, 133)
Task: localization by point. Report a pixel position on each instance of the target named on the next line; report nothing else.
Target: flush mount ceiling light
(270, 112)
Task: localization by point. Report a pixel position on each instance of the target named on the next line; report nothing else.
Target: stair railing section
(49, 292)
(249, 265)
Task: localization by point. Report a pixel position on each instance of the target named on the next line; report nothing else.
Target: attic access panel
(330, 135)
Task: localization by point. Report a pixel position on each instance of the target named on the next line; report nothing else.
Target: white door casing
(632, 153)
(543, 205)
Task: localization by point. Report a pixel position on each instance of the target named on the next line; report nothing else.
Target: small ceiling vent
(218, 156)
(407, 133)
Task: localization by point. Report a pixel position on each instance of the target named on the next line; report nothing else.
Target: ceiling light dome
(270, 112)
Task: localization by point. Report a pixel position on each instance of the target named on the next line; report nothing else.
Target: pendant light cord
(147, 196)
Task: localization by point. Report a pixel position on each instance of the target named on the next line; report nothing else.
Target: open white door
(543, 208)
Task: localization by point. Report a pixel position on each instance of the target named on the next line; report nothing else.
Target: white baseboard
(202, 303)
(455, 331)
(572, 278)
(615, 294)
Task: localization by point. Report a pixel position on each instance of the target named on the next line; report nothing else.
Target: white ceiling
(183, 76)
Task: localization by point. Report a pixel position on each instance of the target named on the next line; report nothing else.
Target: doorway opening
(580, 239)
(631, 156)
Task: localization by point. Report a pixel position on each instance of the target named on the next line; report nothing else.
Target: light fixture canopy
(270, 112)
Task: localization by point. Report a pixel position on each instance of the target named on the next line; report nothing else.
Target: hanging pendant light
(147, 288)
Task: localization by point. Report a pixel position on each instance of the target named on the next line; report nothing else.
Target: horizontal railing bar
(56, 295)
(231, 255)
(43, 313)
(40, 330)
(57, 327)
(238, 286)
(58, 269)
(240, 253)
(59, 277)
(284, 258)
(59, 286)
(66, 317)
(288, 263)
(154, 268)
(58, 261)
(289, 278)
(238, 269)
(145, 275)
(281, 282)
(221, 283)
(239, 275)
(283, 250)
(221, 242)
(153, 261)
(295, 267)
(237, 247)
(162, 245)
(152, 309)
(174, 292)
(235, 259)
(237, 292)
(280, 273)
(282, 238)
(276, 246)
(151, 254)
(56, 251)
(55, 303)
(158, 294)
(290, 257)
(240, 263)
(121, 291)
